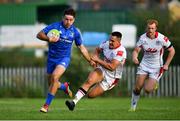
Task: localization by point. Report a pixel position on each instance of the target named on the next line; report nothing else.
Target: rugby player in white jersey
(151, 66)
(108, 71)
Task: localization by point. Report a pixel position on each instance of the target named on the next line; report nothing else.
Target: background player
(153, 44)
(59, 53)
(108, 72)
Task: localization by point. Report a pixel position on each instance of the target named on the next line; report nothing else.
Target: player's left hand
(93, 64)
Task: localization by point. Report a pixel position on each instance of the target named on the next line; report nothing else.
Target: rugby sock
(81, 92)
(62, 87)
(134, 100)
(49, 98)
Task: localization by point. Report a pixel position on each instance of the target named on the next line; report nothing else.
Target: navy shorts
(52, 63)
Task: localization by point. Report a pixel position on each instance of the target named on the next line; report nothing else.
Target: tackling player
(151, 66)
(59, 53)
(108, 72)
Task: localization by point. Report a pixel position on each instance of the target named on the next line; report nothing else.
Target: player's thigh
(57, 73)
(95, 91)
(95, 76)
(150, 85)
(140, 78)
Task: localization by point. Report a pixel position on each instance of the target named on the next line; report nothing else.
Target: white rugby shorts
(108, 82)
(154, 73)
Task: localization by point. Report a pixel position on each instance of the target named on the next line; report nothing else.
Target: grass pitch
(91, 109)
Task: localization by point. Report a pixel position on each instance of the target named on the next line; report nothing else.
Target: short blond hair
(152, 21)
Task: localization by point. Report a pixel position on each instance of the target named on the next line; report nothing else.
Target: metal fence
(23, 77)
(169, 84)
(35, 77)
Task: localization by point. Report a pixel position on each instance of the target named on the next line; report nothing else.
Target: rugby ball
(53, 33)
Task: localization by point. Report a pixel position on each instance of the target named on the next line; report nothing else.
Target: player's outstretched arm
(85, 52)
(108, 65)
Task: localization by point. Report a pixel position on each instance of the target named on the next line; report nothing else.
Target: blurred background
(23, 56)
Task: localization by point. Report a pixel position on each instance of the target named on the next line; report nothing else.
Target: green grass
(99, 109)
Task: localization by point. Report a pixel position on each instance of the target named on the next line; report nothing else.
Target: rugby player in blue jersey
(59, 53)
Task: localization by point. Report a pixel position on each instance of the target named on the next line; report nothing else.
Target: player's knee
(54, 79)
(137, 91)
(90, 96)
(148, 89)
(55, 83)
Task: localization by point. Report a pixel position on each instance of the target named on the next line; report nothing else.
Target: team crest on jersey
(158, 43)
(111, 55)
(60, 32)
(145, 43)
(71, 34)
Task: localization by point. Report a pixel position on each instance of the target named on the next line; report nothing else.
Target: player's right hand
(53, 39)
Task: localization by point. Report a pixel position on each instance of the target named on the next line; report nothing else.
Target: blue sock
(62, 87)
(49, 98)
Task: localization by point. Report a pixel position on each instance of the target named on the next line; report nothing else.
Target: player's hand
(93, 64)
(165, 67)
(53, 39)
(95, 58)
(136, 61)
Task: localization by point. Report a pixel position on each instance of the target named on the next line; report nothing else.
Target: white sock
(80, 94)
(134, 100)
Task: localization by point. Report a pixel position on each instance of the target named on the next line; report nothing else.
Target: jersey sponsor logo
(151, 50)
(65, 40)
(68, 41)
(158, 43)
(119, 53)
(166, 39)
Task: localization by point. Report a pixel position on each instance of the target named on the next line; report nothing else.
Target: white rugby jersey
(153, 49)
(110, 54)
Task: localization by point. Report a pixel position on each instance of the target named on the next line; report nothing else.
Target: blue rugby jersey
(62, 48)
